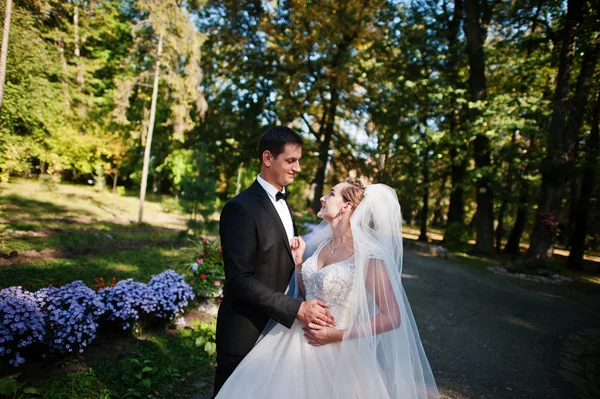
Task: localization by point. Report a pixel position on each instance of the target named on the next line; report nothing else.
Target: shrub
(126, 300)
(208, 270)
(21, 322)
(172, 294)
(457, 237)
(200, 335)
(72, 313)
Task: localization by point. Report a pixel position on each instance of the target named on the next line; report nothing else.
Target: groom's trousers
(226, 364)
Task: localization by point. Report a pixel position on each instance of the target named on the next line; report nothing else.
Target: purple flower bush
(72, 313)
(126, 300)
(66, 318)
(21, 322)
(172, 294)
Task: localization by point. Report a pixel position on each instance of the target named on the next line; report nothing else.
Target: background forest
(483, 115)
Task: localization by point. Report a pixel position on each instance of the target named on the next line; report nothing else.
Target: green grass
(76, 233)
(139, 264)
(161, 366)
(476, 262)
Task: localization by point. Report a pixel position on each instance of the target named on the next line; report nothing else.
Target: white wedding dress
(284, 365)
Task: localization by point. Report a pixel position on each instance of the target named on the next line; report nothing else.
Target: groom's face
(284, 168)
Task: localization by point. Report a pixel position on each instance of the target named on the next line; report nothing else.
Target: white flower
(194, 267)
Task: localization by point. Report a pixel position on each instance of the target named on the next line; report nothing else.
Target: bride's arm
(380, 287)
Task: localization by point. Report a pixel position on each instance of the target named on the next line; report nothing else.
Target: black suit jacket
(258, 266)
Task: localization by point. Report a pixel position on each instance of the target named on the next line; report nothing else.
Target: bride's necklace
(332, 248)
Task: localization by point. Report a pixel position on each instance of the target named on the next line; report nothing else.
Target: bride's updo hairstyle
(355, 193)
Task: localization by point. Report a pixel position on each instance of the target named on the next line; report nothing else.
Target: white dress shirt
(281, 207)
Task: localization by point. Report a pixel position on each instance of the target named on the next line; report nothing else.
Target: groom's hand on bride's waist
(315, 312)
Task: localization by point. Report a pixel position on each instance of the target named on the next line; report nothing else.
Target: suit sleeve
(239, 243)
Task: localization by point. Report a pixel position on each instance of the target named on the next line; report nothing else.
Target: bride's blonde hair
(355, 193)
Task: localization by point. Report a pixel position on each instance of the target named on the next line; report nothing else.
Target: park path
(489, 336)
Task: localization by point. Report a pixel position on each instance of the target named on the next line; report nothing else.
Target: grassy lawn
(163, 365)
(76, 233)
(139, 264)
(55, 236)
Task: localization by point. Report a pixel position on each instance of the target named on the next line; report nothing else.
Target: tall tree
(477, 14)
(556, 163)
(578, 240)
(4, 49)
(458, 150)
(177, 46)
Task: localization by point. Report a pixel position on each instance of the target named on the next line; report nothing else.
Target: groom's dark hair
(275, 139)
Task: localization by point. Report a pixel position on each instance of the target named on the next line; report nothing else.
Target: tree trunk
(514, 239)
(484, 223)
(438, 214)
(456, 210)
(77, 50)
(115, 178)
(324, 146)
(500, 227)
(150, 130)
(554, 167)
(574, 190)
(425, 210)
(60, 46)
(585, 196)
(79, 79)
(576, 115)
(4, 50)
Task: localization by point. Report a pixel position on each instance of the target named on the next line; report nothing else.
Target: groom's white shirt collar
(268, 187)
(280, 206)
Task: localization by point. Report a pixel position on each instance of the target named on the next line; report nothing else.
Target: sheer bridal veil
(382, 340)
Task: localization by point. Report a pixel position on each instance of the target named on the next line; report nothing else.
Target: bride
(374, 350)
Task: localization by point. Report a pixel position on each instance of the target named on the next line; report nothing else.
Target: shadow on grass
(202, 229)
(138, 264)
(78, 238)
(17, 206)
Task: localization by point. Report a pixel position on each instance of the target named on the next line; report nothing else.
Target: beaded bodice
(332, 283)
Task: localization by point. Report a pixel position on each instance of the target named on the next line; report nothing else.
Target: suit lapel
(268, 205)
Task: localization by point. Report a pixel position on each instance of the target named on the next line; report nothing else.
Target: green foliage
(10, 387)
(161, 366)
(48, 182)
(207, 269)
(380, 89)
(457, 236)
(201, 335)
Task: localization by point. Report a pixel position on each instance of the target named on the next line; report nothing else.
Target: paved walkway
(489, 336)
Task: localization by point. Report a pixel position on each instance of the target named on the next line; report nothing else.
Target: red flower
(220, 250)
(203, 276)
(192, 282)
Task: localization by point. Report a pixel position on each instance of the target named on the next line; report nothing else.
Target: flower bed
(66, 319)
(208, 273)
(22, 322)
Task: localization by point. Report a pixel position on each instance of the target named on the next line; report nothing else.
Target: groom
(256, 228)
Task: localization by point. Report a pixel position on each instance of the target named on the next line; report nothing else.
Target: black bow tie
(281, 195)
